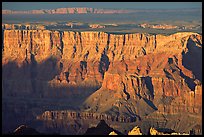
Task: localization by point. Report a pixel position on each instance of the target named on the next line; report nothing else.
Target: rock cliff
(129, 74)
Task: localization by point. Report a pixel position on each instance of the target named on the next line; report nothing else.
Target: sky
(116, 5)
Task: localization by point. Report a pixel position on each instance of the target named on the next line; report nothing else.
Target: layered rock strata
(135, 74)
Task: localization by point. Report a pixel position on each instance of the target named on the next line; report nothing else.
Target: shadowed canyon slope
(134, 75)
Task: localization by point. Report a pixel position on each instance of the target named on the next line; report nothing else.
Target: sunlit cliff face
(133, 75)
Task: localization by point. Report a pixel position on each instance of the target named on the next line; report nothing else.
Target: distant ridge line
(86, 10)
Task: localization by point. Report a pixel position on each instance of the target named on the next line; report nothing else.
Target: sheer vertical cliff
(128, 74)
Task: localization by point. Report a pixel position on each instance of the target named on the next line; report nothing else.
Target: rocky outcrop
(113, 133)
(135, 131)
(130, 75)
(159, 72)
(101, 129)
(86, 58)
(155, 132)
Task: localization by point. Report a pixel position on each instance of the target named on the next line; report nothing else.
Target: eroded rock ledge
(133, 75)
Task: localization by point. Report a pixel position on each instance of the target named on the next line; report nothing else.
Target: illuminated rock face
(153, 131)
(113, 133)
(133, 71)
(135, 131)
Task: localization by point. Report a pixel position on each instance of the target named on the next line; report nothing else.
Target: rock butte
(138, 74)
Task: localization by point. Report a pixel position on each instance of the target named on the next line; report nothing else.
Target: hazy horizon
(108, 5)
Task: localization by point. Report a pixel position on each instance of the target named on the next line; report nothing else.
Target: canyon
(154, 79)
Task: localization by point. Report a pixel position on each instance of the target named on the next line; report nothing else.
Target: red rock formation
(138, 68)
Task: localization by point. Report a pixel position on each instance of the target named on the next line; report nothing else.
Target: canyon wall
(118, 74)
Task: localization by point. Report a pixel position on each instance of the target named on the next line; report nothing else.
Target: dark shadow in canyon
(33, 72)
(190, 82)
(150, 87)
(165, 130)
(192, 60)
(26, 77)
(103, 64)
(150, 103)
(26, 92)
(125, 91)
(83, 65)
